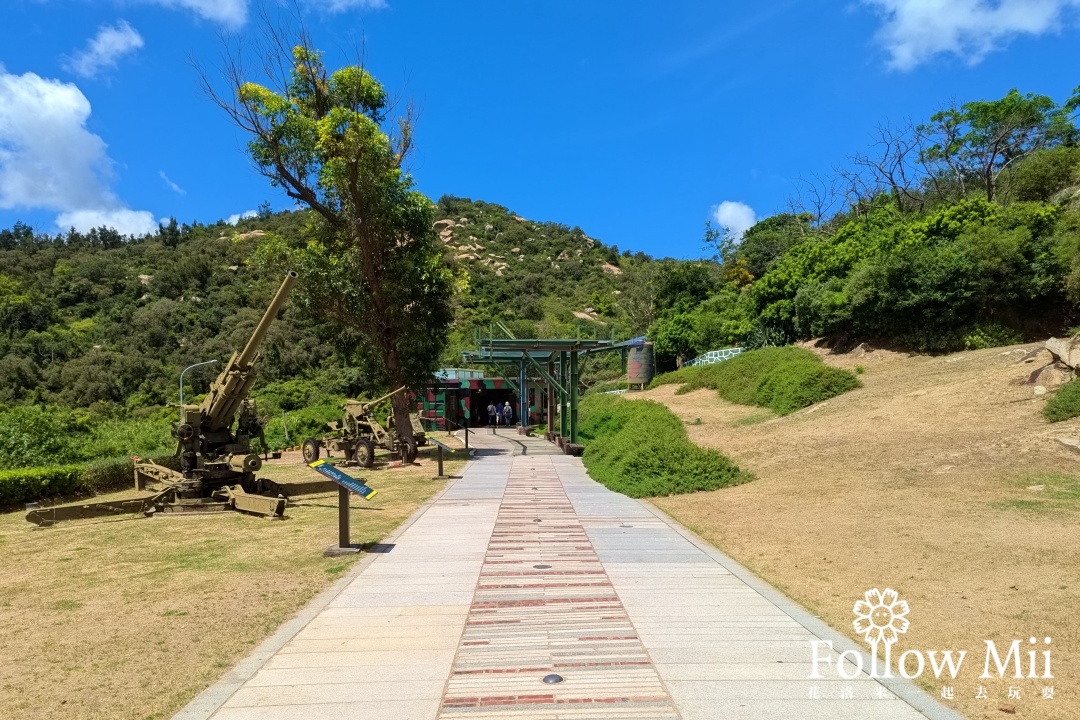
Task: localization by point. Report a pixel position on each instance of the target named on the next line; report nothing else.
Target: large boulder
(1065, 350)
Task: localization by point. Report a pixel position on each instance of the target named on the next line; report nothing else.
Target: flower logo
(881, 616)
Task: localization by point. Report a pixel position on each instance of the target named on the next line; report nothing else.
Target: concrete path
(525, 567)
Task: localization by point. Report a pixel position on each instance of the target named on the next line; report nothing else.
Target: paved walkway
(525, 567)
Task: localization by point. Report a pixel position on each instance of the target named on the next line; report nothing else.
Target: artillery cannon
(217, 466)
(359, 433)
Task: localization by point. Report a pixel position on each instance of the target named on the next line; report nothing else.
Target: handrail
(448, 421)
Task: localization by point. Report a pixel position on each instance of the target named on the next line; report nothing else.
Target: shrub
(606, 386)
(304, 423)
(30, 484)
(793, 386)
(32, 435)
(990, 335)
(783, 379)
(675, 377)
(1065, 404)
(640, 448)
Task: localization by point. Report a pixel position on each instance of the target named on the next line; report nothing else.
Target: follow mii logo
(881, 617)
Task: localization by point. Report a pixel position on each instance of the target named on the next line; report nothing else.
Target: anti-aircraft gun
(359, 433)
(217, 466)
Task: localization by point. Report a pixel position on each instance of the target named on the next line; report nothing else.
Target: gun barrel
(247, 357)
(369, 403)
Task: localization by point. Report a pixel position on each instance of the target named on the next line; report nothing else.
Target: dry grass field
(939, 478)
(130, 618)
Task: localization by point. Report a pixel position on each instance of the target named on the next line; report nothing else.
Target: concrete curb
(903, 689)
(206, 703)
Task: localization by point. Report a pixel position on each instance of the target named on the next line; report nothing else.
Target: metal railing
(450, 422)
(714, 356)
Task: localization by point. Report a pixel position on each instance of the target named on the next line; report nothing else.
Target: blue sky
(635, 121)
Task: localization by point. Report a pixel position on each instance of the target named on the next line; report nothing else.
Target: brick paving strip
(543, 605)
(456, 621)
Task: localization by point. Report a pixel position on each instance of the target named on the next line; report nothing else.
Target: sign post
(346, 484)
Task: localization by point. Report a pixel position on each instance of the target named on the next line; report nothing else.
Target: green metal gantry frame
(552, 362)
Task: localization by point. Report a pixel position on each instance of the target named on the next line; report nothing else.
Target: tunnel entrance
(482, 398)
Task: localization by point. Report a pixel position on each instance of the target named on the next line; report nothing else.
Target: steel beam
(523, 396)
(574, 378)
(551, 396)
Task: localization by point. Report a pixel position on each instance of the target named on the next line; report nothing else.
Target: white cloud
(124, 221)
(171, 185)
(914, 31)
(232, 13)
(344, 5)
(105, 49)
(737, 217)
(49, 160)
(233, 219)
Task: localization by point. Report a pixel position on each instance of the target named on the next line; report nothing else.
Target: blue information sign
(346, 481)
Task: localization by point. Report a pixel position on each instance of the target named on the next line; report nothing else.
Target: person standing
(507, 413)
(493, 414)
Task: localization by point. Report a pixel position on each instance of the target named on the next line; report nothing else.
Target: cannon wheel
(310, 450)
(408, 450)
(364, 455)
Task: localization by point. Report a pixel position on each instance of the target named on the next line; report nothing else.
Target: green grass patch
(640, 448)
(1065, 403)
(1045, 493)
(755, 419)
(783, 379)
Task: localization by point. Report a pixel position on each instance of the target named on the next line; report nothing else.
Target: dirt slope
(919, 482)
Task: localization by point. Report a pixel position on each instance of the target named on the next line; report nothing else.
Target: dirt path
(919, 482)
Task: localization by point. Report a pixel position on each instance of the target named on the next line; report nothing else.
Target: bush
(1065, 404)
(304, 423)
(605, 386)
(32, 436)
(991, 335)
(30, 484)
(783, 379)
(639, 448)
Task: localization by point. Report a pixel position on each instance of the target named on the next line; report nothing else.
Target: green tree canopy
(980, 139)
(372, 261)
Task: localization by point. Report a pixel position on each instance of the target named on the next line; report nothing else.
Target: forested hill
(100, 320)
(961, 232)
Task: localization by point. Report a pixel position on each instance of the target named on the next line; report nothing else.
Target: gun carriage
(358, 433)
(214, 448)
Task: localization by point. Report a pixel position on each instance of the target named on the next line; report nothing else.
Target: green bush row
(640, 448)
(30, 484)
(23, 485)
(783, 379)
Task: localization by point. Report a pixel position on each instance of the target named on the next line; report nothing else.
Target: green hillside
(969, 244)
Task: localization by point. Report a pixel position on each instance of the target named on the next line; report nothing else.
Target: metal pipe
(343, 517)
(523, 396)
(208, 362)
(550, 414)
(574, 378)
(564, 377)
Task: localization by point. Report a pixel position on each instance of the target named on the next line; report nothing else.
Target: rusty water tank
(640, 366)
